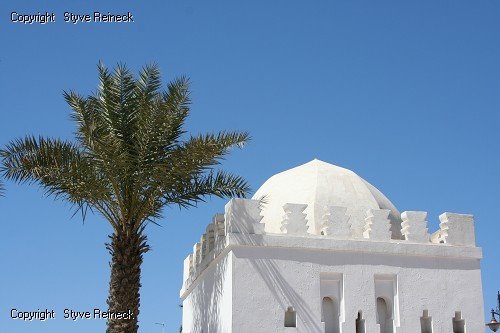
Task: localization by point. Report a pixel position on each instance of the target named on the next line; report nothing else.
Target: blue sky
(405, 93)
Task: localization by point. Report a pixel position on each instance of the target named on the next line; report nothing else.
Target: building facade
(319, 249)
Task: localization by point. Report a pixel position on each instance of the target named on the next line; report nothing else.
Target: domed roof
(319, 184)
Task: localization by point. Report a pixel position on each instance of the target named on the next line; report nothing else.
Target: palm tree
(1, 189)
(130, 158)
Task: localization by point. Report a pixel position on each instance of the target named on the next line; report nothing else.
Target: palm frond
(131, 156)
(58, 167)
(220, 183)
(186, 168)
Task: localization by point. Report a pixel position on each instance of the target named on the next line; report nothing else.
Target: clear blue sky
(405, 93)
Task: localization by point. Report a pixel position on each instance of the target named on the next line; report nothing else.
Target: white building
(325, 251)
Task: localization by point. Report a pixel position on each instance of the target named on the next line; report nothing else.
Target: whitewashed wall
(269, 280)
(209, 300)
(258, 259)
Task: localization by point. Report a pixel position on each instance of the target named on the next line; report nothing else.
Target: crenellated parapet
(243, 217)
(211, 243)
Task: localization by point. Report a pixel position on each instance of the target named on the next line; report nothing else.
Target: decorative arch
(384, 315)
(290, 317)
(330, 314)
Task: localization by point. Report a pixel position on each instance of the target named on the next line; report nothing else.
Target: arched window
(360, 323)
(384, 316)
(425, 322)
(458, 323)
(290, 317)
(330, 310)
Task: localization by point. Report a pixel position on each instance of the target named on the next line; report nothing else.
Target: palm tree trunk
(126, 251)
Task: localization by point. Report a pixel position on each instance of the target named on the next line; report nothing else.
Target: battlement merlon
(414, 227)
(243, 216)
(457, 229)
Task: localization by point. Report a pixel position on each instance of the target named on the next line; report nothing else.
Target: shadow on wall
(285, 294)
(282, 291)
(343, 258)
(206, 300)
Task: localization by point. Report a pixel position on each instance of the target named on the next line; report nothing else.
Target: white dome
(319, 184)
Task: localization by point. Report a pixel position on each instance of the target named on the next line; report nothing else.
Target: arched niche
(384, 315)
(290, 317)
(330, 314)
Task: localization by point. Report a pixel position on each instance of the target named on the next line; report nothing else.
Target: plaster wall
(266, 281)
(325, 238)
(209, 303)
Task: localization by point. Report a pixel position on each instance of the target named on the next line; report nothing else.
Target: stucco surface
(325, 239)
(268, 281)
(209, 302)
